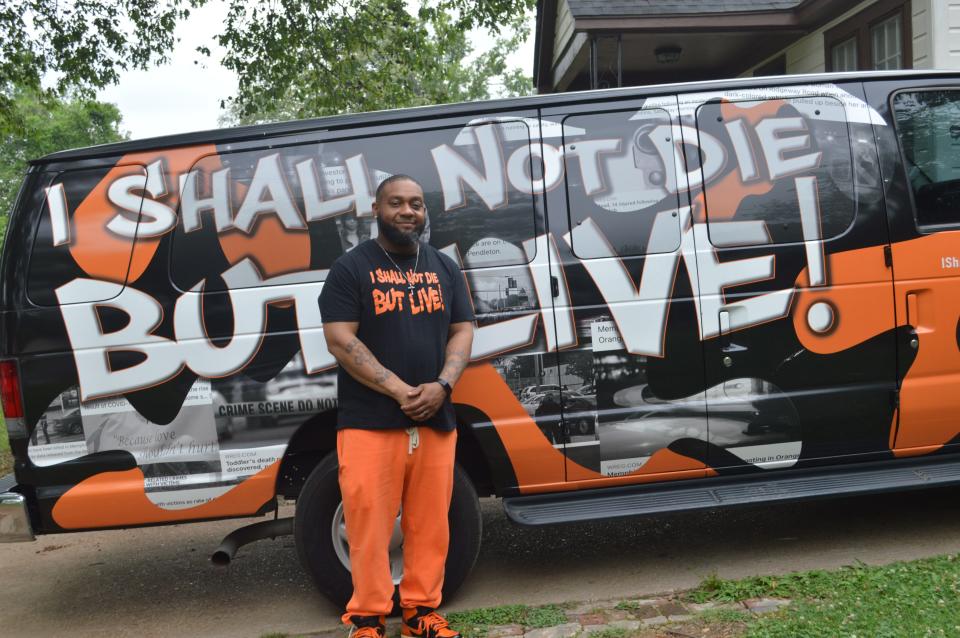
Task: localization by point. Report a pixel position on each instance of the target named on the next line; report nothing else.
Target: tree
(82, 45)
(285, 52)
(42, 125)
(363, 57)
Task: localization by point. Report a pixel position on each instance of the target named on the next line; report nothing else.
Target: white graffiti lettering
(164, 358)
(155, 218)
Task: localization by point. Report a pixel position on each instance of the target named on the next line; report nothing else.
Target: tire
(317, 507)
(584, 426)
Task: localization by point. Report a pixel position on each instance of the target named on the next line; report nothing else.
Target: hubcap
(342, 547)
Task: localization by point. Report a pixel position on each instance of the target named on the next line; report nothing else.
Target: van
(757, 280)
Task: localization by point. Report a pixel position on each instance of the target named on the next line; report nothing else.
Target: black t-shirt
(406, 331)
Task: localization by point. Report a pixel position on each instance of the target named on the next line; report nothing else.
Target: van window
(928, 125)
(87, 229)
(784, 162)
(293, 210)
(618, 179)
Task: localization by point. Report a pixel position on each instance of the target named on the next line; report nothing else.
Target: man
(397, 317)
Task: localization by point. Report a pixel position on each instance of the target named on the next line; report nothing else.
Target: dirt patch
(696, 629)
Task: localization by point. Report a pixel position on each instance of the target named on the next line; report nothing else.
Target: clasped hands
(423, 401)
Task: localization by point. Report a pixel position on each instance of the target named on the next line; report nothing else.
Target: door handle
(554, 286)
(913, 318)
(726, 346)
(913, 310)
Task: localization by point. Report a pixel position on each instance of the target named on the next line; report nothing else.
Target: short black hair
(399, 177)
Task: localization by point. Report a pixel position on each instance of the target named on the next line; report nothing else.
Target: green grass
(918, 598)
(6, 459)
(474, 622)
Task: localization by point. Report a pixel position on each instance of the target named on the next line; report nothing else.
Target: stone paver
(592, 619)
(647, 611)
(502, 631)
(629, 625)
(592, 629)
(568, 630)
(699, 608)
(671, 608)
(656, 620)
(765, 605)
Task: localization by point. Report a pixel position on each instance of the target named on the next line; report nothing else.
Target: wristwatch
(445, 385)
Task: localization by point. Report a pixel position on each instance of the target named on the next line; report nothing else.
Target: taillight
(10, 390)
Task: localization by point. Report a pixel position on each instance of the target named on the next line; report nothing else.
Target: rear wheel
(323, 548)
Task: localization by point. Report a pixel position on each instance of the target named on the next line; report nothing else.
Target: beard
(399, 237)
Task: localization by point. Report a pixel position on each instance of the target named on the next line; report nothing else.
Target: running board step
(747, 489)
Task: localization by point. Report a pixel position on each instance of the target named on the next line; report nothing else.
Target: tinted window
(928, 125)
(621, 174)
(785, 162)
(293, 210)
(87, 230)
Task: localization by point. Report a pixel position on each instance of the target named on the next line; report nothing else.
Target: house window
(885, 44)
(876, 38)
(844, 56)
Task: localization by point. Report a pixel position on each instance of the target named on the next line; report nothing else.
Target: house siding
(948, 35)
(564, 30)
(807, 54)
(923, 52)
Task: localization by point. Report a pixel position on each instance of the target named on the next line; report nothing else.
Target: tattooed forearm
(456, 362)
(457, 353)
(362, 365)
(363, 357)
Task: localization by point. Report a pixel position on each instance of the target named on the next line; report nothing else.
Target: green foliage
(307, 59)
(6, 459)
(610, 632)
(39, 125)
(83, 45)
(903, 599)
(475, 621)
(293, 58)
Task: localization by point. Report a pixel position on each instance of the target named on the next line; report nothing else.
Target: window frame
(859, 27)
(925, 229)
(855, 203)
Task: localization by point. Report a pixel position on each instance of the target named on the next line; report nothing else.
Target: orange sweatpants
(380, 471)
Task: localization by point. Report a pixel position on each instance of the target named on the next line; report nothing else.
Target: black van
(729, 292)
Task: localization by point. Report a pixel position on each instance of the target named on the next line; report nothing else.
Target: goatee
(399, 237)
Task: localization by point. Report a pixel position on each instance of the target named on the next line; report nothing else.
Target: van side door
(632, 381)
(919, 140)
(795, 301)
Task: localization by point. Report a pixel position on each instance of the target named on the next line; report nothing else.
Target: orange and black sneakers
(367, 627)
(424, 622)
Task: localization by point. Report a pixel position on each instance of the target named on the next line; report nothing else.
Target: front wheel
(321, 539)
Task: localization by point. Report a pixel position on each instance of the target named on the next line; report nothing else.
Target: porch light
(668, 54)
